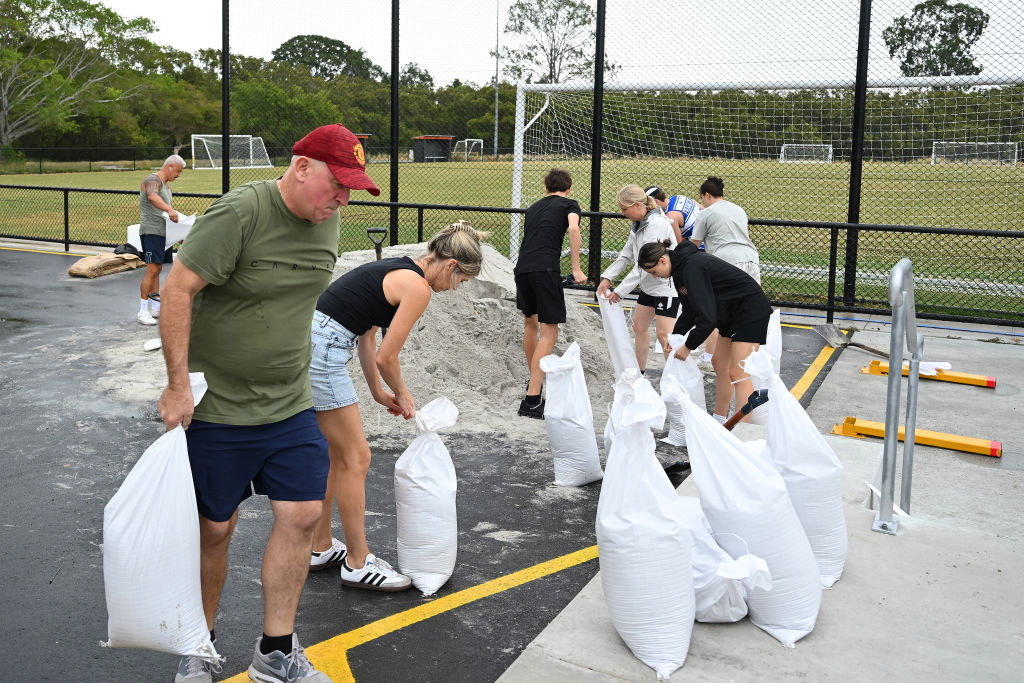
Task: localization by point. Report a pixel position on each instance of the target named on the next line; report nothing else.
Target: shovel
(835, 338)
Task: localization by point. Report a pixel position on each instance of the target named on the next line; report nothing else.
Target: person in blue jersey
(391, 293)
(681, 210)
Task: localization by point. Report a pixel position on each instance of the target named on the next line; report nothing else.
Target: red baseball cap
(336, 146)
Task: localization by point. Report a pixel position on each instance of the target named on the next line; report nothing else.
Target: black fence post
(225, 97)
(857, 153)
(395, 74)
(67, 223)
(419, 224)
(594, 244)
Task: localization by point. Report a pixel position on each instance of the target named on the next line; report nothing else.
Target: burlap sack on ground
(104, 264)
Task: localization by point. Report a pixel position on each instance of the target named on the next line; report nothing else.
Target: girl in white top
(657, 300)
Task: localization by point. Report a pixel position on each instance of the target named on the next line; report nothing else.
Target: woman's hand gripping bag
(569, 420)
(425, 501)
(644, 546)
(743, 497)
(151, 553)
(688, 376)
(616, 333)
(810, 468)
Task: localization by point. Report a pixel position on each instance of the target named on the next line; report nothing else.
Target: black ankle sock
(533, 400)
(279, 643)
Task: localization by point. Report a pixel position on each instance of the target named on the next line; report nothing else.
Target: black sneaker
(535, 411)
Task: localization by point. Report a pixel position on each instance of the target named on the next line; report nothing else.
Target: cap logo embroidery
(360, 157)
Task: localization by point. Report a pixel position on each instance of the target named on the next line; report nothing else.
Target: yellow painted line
(801, 387)
(331, 656)
(45, 251)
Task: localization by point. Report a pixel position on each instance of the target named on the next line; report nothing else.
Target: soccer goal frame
(470, 149)
(246, 151)
(800, 153)
(978, 152)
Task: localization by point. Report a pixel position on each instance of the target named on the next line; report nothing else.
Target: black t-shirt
(547, 220)
(356, 299)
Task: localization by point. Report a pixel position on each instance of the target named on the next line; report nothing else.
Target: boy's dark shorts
(752, 331)
(155, 249)
(664, 306)
(540, 294)
(284, 460)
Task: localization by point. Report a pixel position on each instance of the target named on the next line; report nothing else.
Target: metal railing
(904, 324)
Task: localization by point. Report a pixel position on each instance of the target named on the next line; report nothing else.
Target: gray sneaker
(278, 667)
(195, 670)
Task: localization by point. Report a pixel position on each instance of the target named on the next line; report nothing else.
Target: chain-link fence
(831, 125)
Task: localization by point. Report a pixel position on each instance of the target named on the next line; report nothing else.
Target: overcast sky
(651, 40)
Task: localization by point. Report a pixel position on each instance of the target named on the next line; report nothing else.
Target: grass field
(954, 196)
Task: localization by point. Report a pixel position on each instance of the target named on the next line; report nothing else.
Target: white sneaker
(332, 557)
(375, 575)
(146, 319)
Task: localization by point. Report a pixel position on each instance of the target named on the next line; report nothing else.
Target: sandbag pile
(809, 467)
(104, 264)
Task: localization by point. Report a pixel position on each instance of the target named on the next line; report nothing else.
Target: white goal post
(797, 153)
(981, 152)
(247, 151)
(470, 149)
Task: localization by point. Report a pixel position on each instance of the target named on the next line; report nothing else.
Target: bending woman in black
(713, 294)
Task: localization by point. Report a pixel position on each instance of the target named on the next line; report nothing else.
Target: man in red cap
(238, 306)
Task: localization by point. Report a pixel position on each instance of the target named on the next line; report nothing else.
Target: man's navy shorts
(540, 294)
(155, 249)
(284, 460)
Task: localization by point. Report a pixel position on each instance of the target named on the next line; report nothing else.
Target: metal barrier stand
(904, 324)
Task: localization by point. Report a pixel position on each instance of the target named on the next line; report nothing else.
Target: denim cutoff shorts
(333, 346)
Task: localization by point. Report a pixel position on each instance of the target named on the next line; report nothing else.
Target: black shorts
(751, 331)
(664, 306)
(155, 250)
(540, 294)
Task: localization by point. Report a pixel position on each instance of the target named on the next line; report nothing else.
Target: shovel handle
(756, 399)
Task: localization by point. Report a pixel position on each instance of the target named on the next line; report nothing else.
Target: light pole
(497, 39)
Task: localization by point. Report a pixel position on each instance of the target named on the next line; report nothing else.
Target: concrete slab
(941, 600)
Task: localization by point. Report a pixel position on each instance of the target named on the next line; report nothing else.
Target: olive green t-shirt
(151, 219)
(251, 324)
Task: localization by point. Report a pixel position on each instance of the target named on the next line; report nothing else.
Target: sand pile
(468, 346)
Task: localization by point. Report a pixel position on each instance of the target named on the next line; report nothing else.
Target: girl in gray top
(722, 226)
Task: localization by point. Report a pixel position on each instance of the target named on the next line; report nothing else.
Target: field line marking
(45, 251)
(331, 655)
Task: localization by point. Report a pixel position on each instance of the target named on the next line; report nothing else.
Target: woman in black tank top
(391, 293)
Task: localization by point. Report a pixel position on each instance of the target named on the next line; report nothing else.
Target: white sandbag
(691, 379)
(569, 419)
(720, 582)
(644, 546)
(425, 487)
(151, 576)
(743, 496)
(810, 468)
(773, 345)
(616, 333)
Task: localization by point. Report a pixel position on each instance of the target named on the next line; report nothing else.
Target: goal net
(470, 149)
(976, 152)
(794, 153)
(246, 151)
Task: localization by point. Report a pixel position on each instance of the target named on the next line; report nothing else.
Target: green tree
(936, 39)
(556, 41)
(414, 74)
(60, 57)
(327, 57)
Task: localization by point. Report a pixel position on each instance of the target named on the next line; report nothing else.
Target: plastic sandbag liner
(620, 346)
(644, 546)
(719, 582)
(569, 420)
(691, 379)
(425, 501)
(151, 553)
(773, 346)
(810, 468)
(743, 496)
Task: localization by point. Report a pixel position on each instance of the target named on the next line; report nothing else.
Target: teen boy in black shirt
(539, 280)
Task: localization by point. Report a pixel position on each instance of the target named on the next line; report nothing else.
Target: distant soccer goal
(470, 149)
(974, 152)
(792, 153)
(247, 151)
